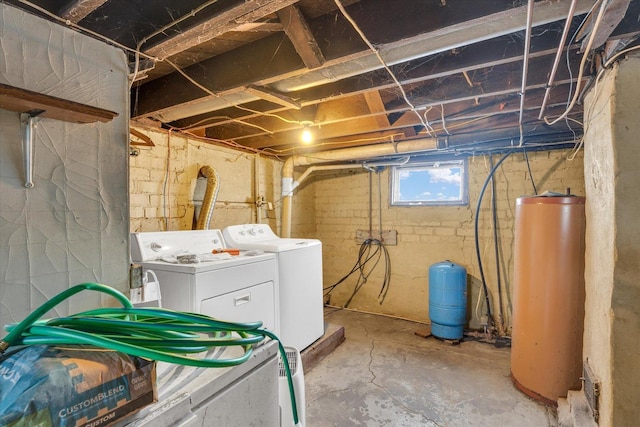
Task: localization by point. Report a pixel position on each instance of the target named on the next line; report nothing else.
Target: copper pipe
(525, 66)
(554, 69)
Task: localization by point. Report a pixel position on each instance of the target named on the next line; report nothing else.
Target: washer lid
(260, 236)
(279, 245)
(148, 246)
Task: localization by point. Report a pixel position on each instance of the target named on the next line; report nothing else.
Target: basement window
(430, 184)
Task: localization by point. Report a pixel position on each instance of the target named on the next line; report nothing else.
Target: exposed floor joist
(177, 95)
(254, 72)
(77, 10)
(247, 12)
(300, 34)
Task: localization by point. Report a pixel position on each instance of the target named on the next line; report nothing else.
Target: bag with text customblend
(72, 386)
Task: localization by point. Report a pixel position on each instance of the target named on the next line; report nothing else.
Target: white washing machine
(299, 278)
(237, 288)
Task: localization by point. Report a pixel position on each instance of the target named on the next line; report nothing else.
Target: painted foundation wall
(72, 227)
(427, 235)
(331, 206)
(612, 321)
(163, 182)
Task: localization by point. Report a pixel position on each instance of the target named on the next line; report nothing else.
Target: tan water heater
(548, 296)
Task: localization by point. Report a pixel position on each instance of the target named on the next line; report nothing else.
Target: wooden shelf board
(26, 101)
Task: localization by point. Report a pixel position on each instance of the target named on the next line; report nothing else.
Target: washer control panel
(236, 235)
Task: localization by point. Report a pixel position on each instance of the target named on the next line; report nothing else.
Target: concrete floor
(385, 375)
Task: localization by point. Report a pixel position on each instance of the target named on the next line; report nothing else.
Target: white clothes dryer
(299, 277)
(237, 288)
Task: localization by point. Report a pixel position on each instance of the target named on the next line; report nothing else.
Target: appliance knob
(261, 231)
(156, 247)
(241, 233)
(252, 231)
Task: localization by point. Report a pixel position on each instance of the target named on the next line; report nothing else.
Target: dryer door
(255, 303)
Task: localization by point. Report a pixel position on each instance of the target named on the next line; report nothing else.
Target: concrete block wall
(331, 206)
(303, 221)
(431, 234)
(163, 180)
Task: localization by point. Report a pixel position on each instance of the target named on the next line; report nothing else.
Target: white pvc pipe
(352, 154)
(312, 169)
(256, 183)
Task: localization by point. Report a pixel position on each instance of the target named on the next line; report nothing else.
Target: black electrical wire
(526, 157)
(494, 209)
(358, 266)
(369, 249)
(484, 282)
(379, 250)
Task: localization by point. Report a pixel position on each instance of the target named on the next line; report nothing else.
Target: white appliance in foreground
(297, 377)
(299, 277)
(238, 288)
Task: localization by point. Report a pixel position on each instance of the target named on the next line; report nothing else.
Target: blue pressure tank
(447, 299)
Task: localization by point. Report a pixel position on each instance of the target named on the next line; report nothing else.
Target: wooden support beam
(354, 90)
(173, 93)
(374, 101)
(259, 27)
(298, 31)
(77, 10)
(146, 141)
(490, 54)
(613, 15)
(273, 96)
(365, 123)
(246, 12)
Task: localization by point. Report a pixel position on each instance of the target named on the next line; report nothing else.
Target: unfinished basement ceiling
(254, 73)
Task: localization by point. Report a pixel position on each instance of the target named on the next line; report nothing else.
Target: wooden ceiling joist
(273, 96)
(246, 12)
(298, 31)
(77, 10)
(374, 101)
(489, 53)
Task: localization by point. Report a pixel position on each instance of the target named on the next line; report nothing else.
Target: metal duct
(210, 196)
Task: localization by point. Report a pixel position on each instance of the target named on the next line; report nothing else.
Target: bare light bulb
(306, 136)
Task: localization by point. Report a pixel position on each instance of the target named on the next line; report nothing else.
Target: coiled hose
(152, 333)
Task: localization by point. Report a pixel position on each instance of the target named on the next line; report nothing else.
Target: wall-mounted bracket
(28, 122)
(33, 104)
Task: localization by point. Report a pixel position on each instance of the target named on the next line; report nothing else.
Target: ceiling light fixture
(306, 136)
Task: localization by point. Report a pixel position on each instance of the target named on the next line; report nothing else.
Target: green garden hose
(152, 333)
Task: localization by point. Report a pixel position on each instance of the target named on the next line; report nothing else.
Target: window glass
(429, 183)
